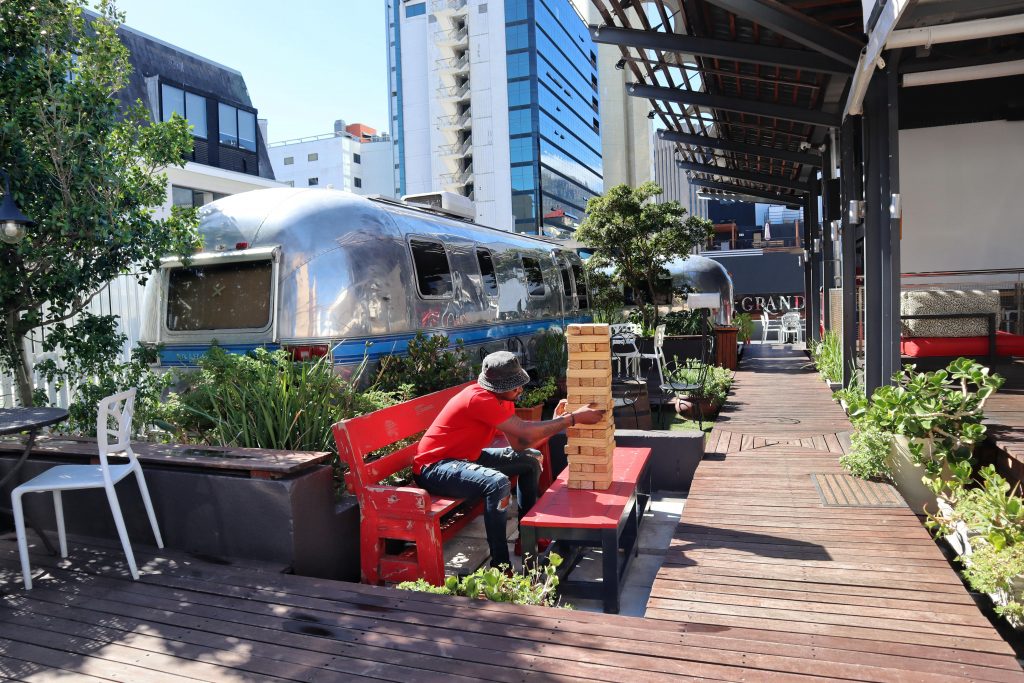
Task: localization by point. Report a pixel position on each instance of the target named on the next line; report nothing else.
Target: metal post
(893, 209)
(814, 234)
(874, 132)
(850, 190)
(808, 261)
(827, 246)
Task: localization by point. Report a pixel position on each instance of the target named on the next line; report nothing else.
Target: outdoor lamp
(621, 64)
(12, 221)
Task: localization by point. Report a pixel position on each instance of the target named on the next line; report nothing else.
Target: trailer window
(225, 296)
(534, 277)
(563, 268)
(487, 275)
(581, 287)
(433, 273)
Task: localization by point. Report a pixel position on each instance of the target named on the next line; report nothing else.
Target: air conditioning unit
(444, 202)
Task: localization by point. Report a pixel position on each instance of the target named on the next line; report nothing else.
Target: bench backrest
(359, 436)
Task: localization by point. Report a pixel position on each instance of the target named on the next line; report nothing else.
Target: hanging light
(651, 114)
(621, 64)
(12, 221)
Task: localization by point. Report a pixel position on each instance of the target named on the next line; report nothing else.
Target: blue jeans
(488, 477)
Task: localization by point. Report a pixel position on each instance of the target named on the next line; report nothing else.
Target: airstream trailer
(319, 270)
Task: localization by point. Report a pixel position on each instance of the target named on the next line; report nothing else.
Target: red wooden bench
(404, 513)
(608, 519)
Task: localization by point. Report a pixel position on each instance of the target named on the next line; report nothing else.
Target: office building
(497, 101)
(354, 157)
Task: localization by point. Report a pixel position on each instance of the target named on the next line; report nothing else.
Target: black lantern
(12, 221)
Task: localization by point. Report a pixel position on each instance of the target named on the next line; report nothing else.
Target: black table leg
(610, 570)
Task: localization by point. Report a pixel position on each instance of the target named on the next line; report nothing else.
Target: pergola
(797, 101)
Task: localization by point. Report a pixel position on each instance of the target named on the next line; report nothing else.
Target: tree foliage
(637, 237)
(86, 170)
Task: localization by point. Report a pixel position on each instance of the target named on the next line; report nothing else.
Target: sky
(305, 62)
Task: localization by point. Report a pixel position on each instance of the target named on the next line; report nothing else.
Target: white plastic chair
(792, 324)
(626, 353)
(104, 476)
(769, 326)
(658, 356)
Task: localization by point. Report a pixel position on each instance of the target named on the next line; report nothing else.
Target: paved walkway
(857, 591)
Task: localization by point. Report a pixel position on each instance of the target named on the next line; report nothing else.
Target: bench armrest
(399, 500)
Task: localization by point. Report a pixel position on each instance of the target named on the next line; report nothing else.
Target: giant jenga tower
(589, 381)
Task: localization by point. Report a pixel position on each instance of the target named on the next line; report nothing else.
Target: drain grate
(843, 490)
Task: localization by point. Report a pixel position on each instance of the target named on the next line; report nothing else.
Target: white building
(496, 101)
(354, 157)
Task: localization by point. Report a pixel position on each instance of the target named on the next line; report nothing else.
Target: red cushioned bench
(608, 519)
(1006, 344)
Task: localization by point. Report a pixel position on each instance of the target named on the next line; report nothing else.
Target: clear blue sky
(306, 62)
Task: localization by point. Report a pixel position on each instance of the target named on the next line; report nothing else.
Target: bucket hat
(501, 372)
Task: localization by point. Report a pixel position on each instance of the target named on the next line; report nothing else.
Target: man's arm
(526, 434)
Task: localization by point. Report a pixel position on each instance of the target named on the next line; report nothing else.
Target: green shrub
(264, 399)
(867, 457)
(536, 395)
(991, 569)
(535, 586)
(828, 356)
(551, 354)
(716, 384)
(429, 365)
(644, 317)
(678, 323)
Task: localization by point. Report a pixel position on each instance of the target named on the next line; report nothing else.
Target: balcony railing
(447, 6)
(455, 93)
(455, 121)
(458, 179)
(454, 65)
(452, 37)
(456, 150)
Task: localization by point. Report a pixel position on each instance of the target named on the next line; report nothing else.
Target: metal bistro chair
(687, 378)
(120, 408)
(769, 326)
(625, 353)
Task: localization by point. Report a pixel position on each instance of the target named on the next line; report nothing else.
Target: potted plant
(935, 421)
(551, 356)
(744, 324)
(712, 395)
(531, 403)
(828, 357)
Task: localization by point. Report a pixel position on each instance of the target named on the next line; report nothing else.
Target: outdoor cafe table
(31, 420)
(608, 519)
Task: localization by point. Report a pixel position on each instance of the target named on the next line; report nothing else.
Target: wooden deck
(859, 592)
(762, 583)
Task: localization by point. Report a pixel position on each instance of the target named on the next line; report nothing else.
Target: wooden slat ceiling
(754, 82)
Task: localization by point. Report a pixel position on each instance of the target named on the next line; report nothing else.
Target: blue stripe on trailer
(351, 351)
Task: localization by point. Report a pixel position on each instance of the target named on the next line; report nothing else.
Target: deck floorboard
(757, 549)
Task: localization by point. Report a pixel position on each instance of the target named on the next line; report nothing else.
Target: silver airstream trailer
(319, 270)
(705, 276)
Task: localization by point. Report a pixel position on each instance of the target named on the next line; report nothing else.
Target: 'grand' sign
(772, 303)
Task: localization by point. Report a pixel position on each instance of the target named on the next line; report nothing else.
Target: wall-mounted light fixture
(13, 223)
(835, 228)
(895, 206)
(651, 114)
(621, 64)
(816, 245)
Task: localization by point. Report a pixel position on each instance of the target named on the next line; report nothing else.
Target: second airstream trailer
(319, 270)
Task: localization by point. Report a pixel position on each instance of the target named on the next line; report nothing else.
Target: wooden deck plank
(757, 548)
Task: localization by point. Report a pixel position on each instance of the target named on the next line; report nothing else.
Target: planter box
(531, 413)
(906, 474)
(221, 505)
(725, 347)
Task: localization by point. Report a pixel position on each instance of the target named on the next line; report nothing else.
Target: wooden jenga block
(585, 467)
(604, 468)
(575, 364)
(577, 466)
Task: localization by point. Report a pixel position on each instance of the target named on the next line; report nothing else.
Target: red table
(608, 519)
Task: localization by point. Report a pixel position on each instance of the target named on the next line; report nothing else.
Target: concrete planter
(907, 474)
(294, 520)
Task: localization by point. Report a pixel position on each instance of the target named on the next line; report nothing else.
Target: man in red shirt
(453, 459)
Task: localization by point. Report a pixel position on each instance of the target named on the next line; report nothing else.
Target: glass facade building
(554, 117)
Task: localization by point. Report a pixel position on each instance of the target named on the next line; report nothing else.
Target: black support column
(828, 188)
(851, 175)
(894, 212)
(881, 241)
(813, 235)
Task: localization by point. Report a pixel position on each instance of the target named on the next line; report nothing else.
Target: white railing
(455, 92)
(455, 121)
(456, 64)
(446, 6)
(455, 36)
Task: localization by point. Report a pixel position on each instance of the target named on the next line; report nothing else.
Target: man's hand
(585, 415)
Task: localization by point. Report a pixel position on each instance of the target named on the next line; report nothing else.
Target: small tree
(86, 171)
(637, 236)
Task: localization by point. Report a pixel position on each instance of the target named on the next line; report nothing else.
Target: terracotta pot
(684, 407)
(531, 412)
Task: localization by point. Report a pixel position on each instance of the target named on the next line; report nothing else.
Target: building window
(358, 182)
(288, 161)
(237, 127)
(192, 198)
(416, 10)
(311, 182)
(313, 156)
(517, 37)
(521, 150)
(433, 274)
(189, 106)
(518, 65)
(356, 159)
(487, 275)
(519, 122)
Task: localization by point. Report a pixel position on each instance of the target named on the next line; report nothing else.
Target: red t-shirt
(463, 428)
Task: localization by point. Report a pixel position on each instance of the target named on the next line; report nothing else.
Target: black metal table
(31, 420)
